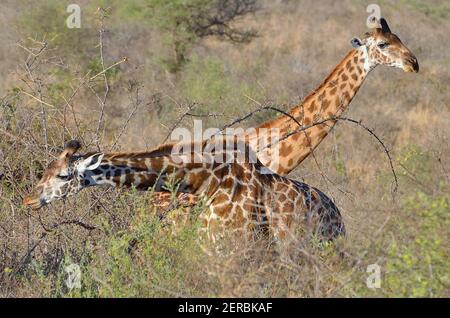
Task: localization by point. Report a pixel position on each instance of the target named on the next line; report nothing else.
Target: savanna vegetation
(136, 68)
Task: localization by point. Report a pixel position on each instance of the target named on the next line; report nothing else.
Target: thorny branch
(34, 89)
(48, 230)
(137, 103)
(187, 112)
(180, 118)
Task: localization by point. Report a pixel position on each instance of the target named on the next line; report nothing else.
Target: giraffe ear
(70, 149)
(90, 163)
(384, 26)
(356, 43)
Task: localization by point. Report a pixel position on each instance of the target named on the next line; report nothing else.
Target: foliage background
(122, 246)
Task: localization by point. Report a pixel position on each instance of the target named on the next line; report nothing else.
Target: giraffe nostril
(412, 60)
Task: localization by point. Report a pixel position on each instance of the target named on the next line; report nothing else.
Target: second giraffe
(242, 195)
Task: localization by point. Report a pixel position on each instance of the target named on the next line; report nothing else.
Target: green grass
(418, 260)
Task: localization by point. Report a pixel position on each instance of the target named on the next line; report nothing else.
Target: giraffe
(242, 195)
(320, 109)
(331, 98)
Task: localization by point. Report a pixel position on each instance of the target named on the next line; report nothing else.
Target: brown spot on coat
(227, 183)
(222, 210)
(157, 164)
(197, 179)
(322, 134)
(359, 70)
(147, 181)
(285, 149)
(312, 107)
(325, 104)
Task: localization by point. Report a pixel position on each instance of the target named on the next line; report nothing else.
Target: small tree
(187, 21)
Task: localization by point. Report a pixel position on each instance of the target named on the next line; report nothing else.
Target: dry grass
(299, 43)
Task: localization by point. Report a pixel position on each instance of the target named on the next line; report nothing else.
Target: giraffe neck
(329, 100)
(154, 169)
(143, 170)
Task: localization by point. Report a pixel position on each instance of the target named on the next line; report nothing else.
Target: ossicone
(71, 148)
(384, 26)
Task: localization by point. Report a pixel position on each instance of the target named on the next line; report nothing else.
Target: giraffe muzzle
(411, 65)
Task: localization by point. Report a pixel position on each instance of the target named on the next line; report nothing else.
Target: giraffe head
(385, 48)
(63, 177)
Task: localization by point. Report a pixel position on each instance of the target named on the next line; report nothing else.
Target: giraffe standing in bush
(241, 194)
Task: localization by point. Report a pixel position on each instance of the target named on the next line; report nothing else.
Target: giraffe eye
(63, 177)
(383, 45)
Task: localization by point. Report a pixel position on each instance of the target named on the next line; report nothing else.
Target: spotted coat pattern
(242, 195)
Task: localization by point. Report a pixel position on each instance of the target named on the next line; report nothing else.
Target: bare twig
(102, 101)
(189, 108)
(48, 230)
(124, 59)
(37, 99)
(137, 103)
